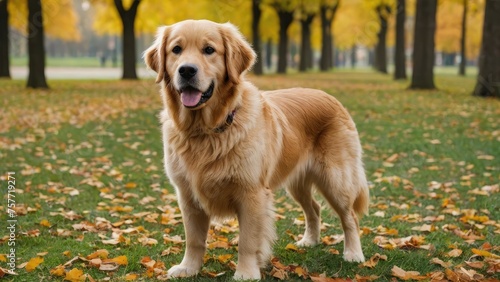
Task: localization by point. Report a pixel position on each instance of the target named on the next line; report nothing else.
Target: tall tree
(383, 12)
(463, 33)
(257, 46)
(36, 46)
(399, 54)
(488, 79)
(285, 11)
(327, 11)
(307, 14)
(423, 45)
(128, 22)
(4, 40)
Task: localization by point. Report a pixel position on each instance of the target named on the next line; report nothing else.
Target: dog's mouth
(193, 98)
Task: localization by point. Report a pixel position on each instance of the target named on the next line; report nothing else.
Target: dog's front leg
(196, 223)
(257, 233)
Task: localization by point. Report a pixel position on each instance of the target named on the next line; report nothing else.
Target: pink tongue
(190, 98)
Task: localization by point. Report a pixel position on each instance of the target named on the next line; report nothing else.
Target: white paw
(354, 256)
(247, 275)
(307, 242)
(179, 271)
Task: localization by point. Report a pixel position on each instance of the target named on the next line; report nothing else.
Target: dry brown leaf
(407, 275)
(454, 253)
(441, 263)
(373, 261)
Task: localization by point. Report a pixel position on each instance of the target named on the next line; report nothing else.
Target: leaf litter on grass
(419, 194)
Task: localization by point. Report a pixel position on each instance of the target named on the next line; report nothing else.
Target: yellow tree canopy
(59, 18)
(449, 23)
(154, 13)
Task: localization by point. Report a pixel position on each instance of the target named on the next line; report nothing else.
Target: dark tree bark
(353, 56)
(257, 46)
(423, 46)
(36, 46)
(269, 53)
(488, 80)
(399, 54)
(4, 40)
(463, 60)
(305, 48)
(327, 14)
(285, 19)
(128, 50)
(383, 12)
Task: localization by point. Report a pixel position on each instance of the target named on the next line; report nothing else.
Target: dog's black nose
(188, 70)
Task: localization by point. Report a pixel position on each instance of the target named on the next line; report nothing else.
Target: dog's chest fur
(214, 170)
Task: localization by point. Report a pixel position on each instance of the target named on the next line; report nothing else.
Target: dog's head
(197, 59)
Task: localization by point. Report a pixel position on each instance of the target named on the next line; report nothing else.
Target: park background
(80, 134)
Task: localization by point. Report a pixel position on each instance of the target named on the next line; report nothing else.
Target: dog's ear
(156, 55)
(239, 55)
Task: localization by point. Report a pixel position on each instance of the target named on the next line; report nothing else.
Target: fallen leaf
(407, 275)
(45, 223)
(58, 271)
(102, 253)
(373, 261)
(224, 258)
(120, 260)
(33, 263)
(440, 262)
(74, 275)
(485, 254)
(454, 253)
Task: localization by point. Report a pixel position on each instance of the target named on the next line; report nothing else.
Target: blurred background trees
(302, 35)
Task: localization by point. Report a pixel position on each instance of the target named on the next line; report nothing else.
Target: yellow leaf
(121, 260)
(74, 275)
(291, 247)
(131, 277)
(33, 263)
(45, 223)
(485, 254)
(102, 253)
(130, 185)
(58, 271)
(224, 258)
(3, 258)
(67, 253)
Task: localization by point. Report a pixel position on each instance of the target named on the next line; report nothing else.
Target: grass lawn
(91, 197)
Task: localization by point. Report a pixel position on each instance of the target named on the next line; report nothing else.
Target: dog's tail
(362, 201)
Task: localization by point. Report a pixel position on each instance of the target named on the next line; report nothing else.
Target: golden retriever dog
(228, 146)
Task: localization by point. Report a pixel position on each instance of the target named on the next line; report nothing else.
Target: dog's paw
(306, 242)
(179, 271)
(247, 275)
(354, 256)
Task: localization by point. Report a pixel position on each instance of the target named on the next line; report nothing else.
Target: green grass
(98, 137)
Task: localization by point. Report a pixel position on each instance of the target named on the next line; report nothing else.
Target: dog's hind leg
(301, 191)
(341, 192)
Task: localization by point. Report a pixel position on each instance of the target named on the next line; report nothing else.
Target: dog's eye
(208, 50)
(177, 49)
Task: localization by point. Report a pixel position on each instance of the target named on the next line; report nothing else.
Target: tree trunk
(327, 14)
(269, 54)
(353, 56)
(305, 48)
(463, 59)
(399, 54)
(36, 46)
(488, 80)
(285, 18)
(383, 12)
(4, 40)
(256, 14)
(423, 46)
(128, 50)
